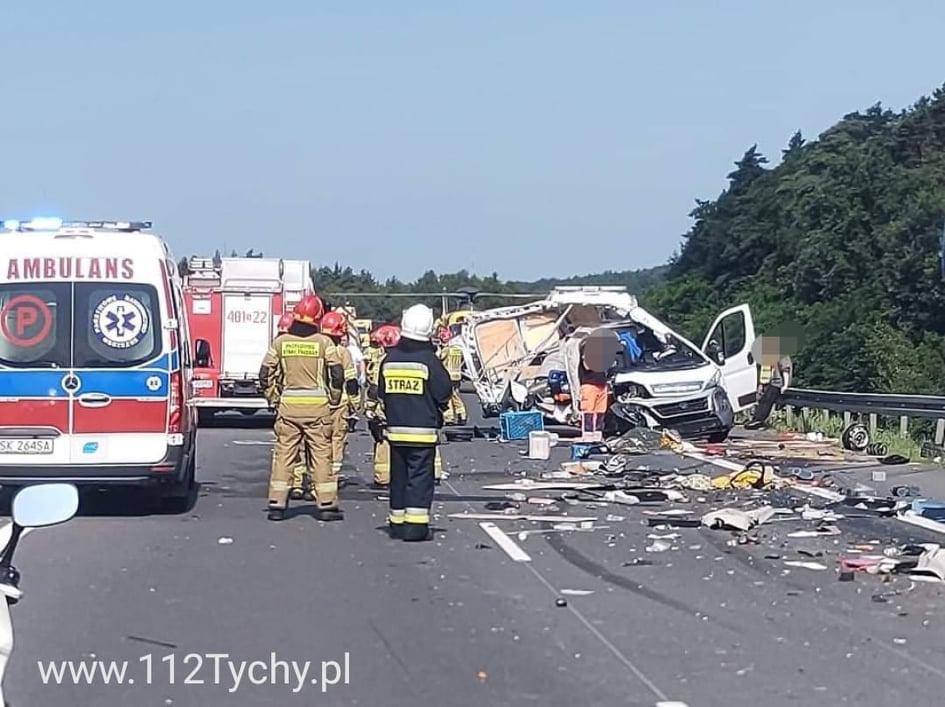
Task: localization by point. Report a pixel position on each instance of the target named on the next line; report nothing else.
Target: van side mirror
(202, 357)
(714, 351)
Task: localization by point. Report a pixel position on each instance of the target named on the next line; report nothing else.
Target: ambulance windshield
(78, 325)
(35, 325)
(115, 325)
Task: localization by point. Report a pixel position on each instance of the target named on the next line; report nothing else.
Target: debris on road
(734, 519)
(775, 504)
(521, 516)
(805, 564)
(659, 546)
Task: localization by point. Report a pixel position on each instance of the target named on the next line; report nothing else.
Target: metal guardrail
(872, 404)
(929, 406)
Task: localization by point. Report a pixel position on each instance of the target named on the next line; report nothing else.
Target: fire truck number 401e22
(239, 316)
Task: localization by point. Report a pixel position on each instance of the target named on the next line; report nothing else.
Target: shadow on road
(238, 421)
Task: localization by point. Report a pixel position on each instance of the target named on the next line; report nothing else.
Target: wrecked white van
(524, 357)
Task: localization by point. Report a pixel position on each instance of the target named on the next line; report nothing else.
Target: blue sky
(529, 138)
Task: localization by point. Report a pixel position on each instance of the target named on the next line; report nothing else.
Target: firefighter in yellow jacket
(304, 373)
(382, 338)
(452, 357)
(301, 473)
(335, 327)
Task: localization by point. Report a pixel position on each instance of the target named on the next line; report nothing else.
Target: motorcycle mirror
(45, 504)
(519, 392)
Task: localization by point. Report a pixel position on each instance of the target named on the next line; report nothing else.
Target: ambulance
(95, 366)
(233, 306)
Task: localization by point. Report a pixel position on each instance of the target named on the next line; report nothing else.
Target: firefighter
(306, 375)
(414, 388)
(301, 472)
(383, 338)
(335, 327)
(452, 357)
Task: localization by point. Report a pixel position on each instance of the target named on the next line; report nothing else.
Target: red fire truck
(233, 309)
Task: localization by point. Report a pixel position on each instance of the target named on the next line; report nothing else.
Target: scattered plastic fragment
(805, 565)
(225, 541)
(818, 532)
(734, 519)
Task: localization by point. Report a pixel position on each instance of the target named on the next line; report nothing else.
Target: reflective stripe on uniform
(304, 396)
(404, 369)
(417, 515)
(276, 485)
(765, 375)
(351, 373)
(423, 435)
(396, 517)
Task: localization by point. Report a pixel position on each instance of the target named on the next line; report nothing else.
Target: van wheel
(181, 497)
(717, 437)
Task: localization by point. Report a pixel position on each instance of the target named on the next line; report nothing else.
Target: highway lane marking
(614, 650)
(514, 552)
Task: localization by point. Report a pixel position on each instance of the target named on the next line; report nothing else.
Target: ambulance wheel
(180, 497)
(204, 417)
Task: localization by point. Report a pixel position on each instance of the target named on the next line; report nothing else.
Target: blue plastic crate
(517, 425)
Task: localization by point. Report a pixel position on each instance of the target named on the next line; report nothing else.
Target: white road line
(505, 542)
(617, 653)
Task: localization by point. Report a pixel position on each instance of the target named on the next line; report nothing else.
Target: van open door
(728, 344)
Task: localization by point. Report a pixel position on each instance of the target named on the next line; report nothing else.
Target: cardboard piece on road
(521, 516)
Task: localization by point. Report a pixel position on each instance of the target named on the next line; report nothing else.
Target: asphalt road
(454, 621)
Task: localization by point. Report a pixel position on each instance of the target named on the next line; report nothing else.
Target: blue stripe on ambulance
(149, 381)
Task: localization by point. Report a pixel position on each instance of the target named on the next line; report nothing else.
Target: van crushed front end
(527, 357)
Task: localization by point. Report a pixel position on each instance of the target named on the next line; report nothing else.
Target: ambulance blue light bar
(54, 223)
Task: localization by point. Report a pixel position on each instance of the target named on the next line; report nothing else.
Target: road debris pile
(778, 508)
